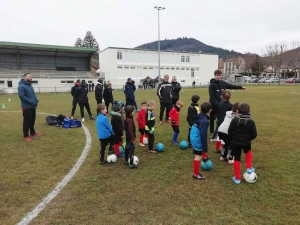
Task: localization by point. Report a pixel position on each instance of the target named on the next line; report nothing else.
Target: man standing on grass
(164, 92)
(129, 90)
(29, 103)
(216, 87)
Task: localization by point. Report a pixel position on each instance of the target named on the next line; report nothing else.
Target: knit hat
(128, 79)
(121, 103)
(116, 106)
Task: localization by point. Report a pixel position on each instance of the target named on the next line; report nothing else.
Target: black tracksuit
(176, 87)
(81, 94)
(99, 93)
(216, 87)
(75, 100)
(117, 124)
(164, 92)
(242, 131)
(130, 131)
(193, 110)
(108, 97)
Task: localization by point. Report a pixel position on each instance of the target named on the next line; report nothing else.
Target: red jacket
(174, 116)
(141, 119)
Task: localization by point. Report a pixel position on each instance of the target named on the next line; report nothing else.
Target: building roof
(34, 49)
(154, 50)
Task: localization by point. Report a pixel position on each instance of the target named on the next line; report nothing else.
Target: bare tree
(293, 57)
(238, 63)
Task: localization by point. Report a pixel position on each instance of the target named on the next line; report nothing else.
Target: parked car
(268, 81)
(275, 80)
(290, 80)
(262, 80)
(297, 80)
(254, 80)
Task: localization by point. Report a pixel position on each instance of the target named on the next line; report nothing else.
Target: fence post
(39, 90)
(55, 89)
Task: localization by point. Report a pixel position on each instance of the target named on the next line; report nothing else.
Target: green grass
(161, 190)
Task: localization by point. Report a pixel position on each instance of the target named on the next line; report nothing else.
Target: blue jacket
(103, 126)
(129, 90)
(27, 95)
(198, 135)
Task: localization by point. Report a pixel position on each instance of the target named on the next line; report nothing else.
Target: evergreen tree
(90, 42)
(78, 42)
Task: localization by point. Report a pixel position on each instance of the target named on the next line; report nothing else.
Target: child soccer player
(104, 130)
(199, 138)
(174, 120)
(117, 124)
(243, 130)
(150, 122)
(193, 110)
(130, 136)
(141, 119)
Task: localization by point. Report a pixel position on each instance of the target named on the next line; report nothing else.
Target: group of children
(235, 129)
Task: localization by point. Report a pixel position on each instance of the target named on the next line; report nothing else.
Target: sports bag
(55, 120)
(69, 123)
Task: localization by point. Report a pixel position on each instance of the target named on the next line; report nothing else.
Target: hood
(243, 118)
(229, 114)
(22, 81)
(213, 80)
(200, 116)
(115, 114)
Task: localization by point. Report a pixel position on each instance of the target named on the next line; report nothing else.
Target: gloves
(173, 122)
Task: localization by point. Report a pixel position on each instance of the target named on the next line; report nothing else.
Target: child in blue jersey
(104, 130)
(198, 137)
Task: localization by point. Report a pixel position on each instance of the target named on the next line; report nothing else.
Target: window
(167, 68)
(34, 82)
(145, 67)
(182, 68)
(192, 73)
(150, 68)
(133, 67)
(182, 58)
(172, 68)
(177, 68)
(126, 67)
(119, 55)
(1, 81)
(187, 59)
(197, 68)
(120, 67)
(66, 81)
(187, 68)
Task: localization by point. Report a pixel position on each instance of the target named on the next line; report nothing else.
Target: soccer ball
(121, 149)
(208, 165)
(111, 158)
(160, 147)
(145, 140)
(183, 145)
(250, 178)
(135, 160)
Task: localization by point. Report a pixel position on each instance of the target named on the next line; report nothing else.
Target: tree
(292, 57)
(238, 63)
(90, 42)
(256, 65)
(78, 42)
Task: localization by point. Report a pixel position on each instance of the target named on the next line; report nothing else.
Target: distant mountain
(190, 45)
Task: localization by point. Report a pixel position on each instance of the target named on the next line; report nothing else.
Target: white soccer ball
(135, 160)
(145, 140)
(111, 158)
(250, 178)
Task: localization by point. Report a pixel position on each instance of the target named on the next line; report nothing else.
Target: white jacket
(223, 128)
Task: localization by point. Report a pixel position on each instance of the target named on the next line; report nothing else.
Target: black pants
(214, 135)
(212, 116)
(88, 109)
(28, 121)
(74, 104)
(189, 138)
(174, 100)
(150, 140)
(163, 107)
(107, 102)
(99, 100)
(131, 102)
(226, 138)
(129, 152)
(237, 151)
(103, 144)
(176, 129)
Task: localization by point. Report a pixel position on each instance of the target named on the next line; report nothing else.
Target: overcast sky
(241, 25)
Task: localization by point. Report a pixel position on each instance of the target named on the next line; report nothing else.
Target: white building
(117, 64)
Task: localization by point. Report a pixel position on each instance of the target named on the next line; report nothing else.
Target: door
(9, 84)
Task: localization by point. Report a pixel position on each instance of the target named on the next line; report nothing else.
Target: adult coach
(75, 100)
(129, 90)
(99, 91)
(29, 103)
(164, 92)
(176, 87)
(216, 87)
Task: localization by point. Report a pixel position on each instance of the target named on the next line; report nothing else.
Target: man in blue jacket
(29, 103)
(129, 90)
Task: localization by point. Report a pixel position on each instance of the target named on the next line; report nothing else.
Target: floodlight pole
(158, 8)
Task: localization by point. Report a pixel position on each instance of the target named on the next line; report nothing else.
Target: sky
(239, 25)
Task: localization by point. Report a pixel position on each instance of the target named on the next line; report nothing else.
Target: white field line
(46, 200)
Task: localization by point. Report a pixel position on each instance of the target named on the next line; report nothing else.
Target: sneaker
(151, 151)
(190, 145)
(110, 152)
(35, 135)
(236, 181)
(251, 170)
(222, 158)
(72, 117)
(141, 144)
(126, 163)
(160, 122)
(27, 139)
(217, 151)
(92, 118)
(121, 155)
(175, 142)
(103, 162)
(133, 167)
(82, 120)
(205, 159)
(199, 177)
(212, 139)
(231, 161)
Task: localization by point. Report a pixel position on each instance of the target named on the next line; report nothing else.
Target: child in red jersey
(174, 120)
(141, 119)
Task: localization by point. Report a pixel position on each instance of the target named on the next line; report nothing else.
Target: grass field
(161, 190)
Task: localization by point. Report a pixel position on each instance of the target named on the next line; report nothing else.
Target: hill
(190, 45)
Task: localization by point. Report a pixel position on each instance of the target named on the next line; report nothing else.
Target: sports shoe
(236, 181)
(72, 117)
(92, 118)
(103, 162)
(111, 152)
(151, 151)
(199, 177)
(222, 158)
(35, 135)
(190, 145)
(217, 151)
(161, 122)
(141, 144)
(27, 139)
(133, 167)
(205, 159)
(251, 170)
(175, 142)
(126, 163)
(121, 155)
(231, 161)
(82, 120)
(212, 139)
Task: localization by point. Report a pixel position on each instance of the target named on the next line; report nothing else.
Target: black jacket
(164, 92)
(117, 124)
(107, 95)
(73, 89)
(129, 129)
(242, 129)
(222, 109)
(193, 110)
(216, 88)
(176, 87)
(99, 91)
(81, 94)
